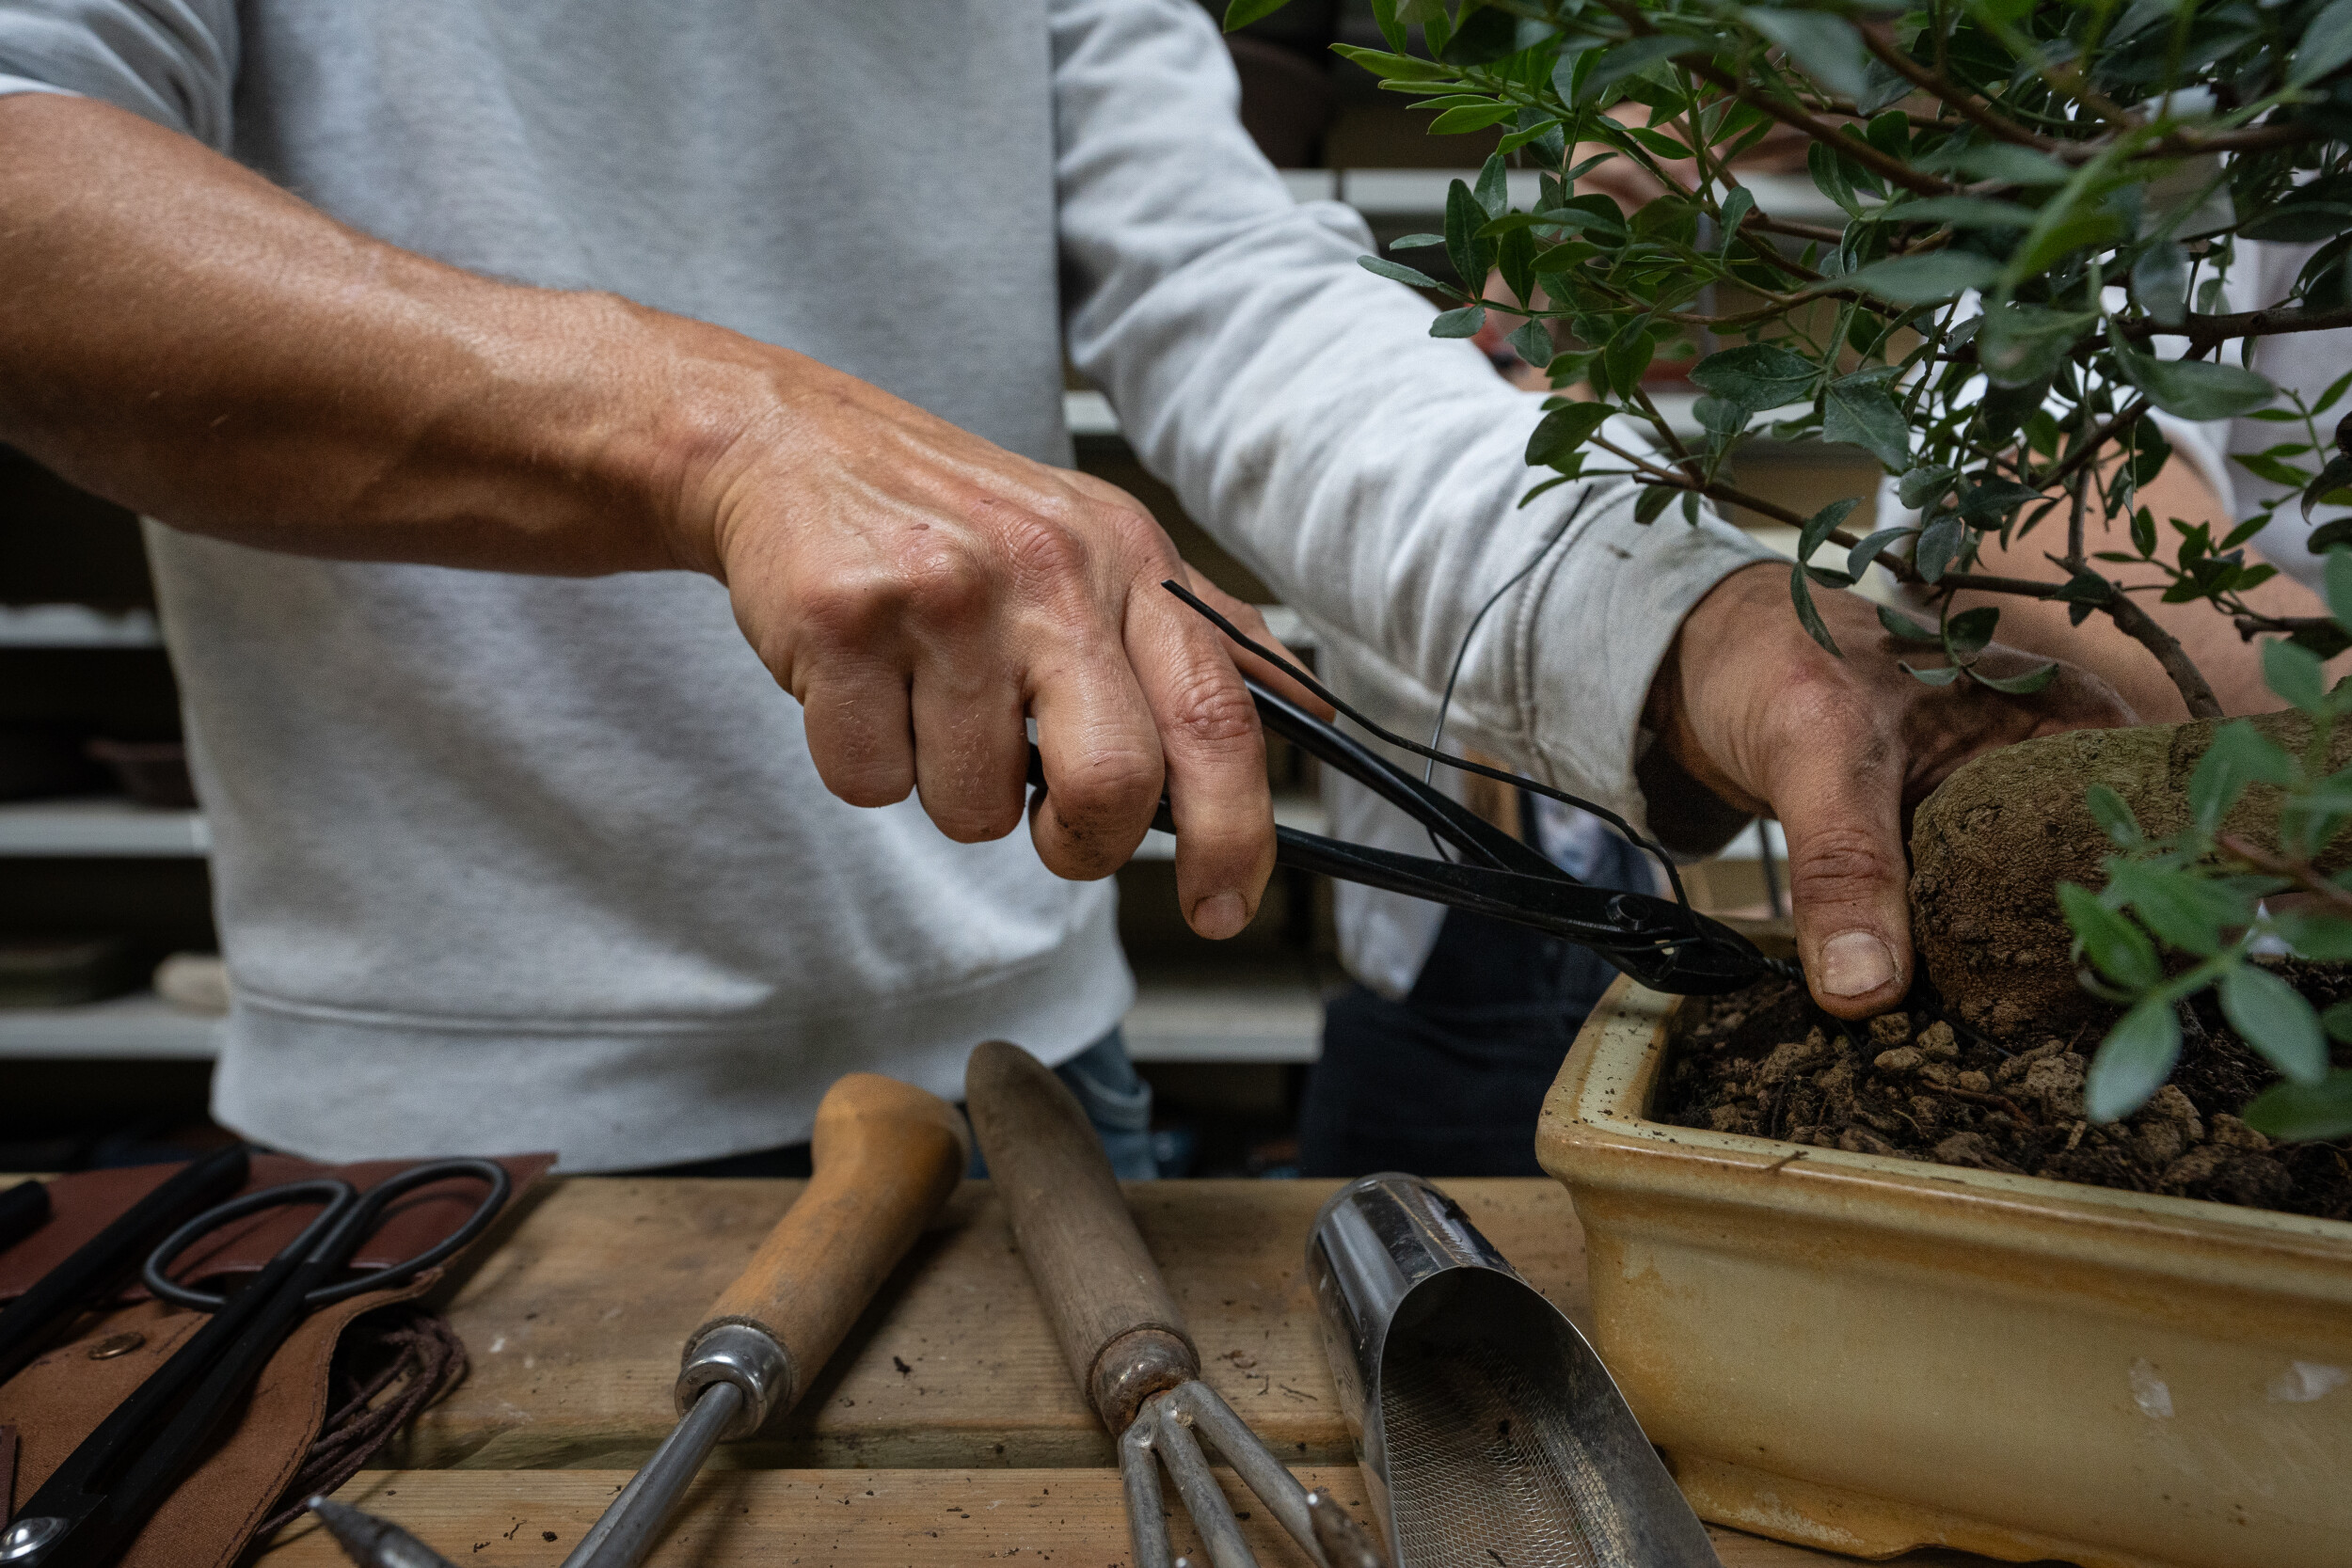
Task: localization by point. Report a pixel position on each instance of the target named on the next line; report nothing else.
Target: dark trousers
(1448, 1080)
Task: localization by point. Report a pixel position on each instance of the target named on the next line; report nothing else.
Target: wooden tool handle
(1120, 1329)
(886, 1155)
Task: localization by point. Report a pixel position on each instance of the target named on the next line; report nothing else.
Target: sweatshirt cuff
(1593, 634)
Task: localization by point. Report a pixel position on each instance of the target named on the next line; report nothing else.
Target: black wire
(1416, 749)
(1461, 653)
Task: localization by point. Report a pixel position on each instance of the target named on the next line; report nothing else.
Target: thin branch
(2300, 872)
(2137, 623)
(1880, 41)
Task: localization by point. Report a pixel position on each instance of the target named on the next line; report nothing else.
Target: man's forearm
(189, 340)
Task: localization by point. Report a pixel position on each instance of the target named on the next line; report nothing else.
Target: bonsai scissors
(95, 1503)
(1662, 943)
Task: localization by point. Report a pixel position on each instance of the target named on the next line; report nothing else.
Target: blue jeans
(1117, 1099)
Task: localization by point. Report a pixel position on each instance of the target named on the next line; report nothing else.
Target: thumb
(1847, 875)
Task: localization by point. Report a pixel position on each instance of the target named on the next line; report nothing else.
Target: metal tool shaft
(621, 1538)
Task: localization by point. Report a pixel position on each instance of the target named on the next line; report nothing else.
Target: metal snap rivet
(117, 1344)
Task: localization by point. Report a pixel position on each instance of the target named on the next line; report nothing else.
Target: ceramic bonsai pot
(1869, 1354)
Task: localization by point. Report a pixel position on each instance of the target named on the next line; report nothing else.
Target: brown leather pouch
(60, 1398)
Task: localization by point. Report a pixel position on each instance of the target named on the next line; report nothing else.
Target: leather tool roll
(65, 1392)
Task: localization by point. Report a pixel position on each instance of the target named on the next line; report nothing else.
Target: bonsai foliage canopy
(2042, 202)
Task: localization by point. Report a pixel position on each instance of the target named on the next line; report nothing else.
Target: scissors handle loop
(335, 1236)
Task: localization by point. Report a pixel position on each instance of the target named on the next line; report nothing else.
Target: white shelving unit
(101, 826)
(75, 626)
(1259, 1022)
(139, 1027)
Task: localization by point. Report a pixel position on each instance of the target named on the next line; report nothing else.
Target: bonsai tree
(2034, 191)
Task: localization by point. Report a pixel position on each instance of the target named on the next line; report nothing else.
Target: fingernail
(1854, 963)
(1220, 915)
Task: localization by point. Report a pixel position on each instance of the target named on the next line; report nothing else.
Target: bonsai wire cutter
(1662, 943)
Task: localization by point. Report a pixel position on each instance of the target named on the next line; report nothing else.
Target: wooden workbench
(946, 1431)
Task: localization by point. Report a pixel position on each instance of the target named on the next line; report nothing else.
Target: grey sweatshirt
(507, 861)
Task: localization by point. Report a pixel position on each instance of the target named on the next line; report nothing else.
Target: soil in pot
(1765, 1062)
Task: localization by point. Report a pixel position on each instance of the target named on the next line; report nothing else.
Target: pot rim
(1595, 1137)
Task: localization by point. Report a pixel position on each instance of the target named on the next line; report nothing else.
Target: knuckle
(847, 608)
(1839, 862)
(944, 585)
(1213, 712)
(1042, 548)
(1110, 784)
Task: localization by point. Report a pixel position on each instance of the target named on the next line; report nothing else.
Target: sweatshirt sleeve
(1303, 414)
(171, 61)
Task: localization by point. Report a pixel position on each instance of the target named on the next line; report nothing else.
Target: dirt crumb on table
(1766, 1063)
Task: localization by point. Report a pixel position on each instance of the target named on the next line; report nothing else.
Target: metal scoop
(1489, 1431)
(1122, 1331)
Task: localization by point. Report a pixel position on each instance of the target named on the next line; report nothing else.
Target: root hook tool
(1121, 1330)
(1489, 1431)
(886, 1155)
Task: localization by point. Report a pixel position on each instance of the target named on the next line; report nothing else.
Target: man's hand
(923, 592)
(1840, 750)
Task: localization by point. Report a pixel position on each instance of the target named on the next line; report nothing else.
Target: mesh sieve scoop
(1487, 1429)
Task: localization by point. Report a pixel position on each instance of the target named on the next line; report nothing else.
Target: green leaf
(1858, 409)
(2327, 45)
(2334, 477)
(1621, 60)
(2183, 910)
(1627, 355)
(1869, 551)
(2296, 674)
(1966, 211)
(2020, 344)
(1966, 633)
(1563, 430)
(1939, 545)
(2335, 391)
(2338, 586)
(1396, 270)
(1808, 614)
(2303, 1113)
(1417, 242)
(1922, 486)
(1755, 378)
(1992, 496)
(2321, 938)
(1736, 207)
(1464, 117)
(1824, 46)
(1384, 17)
(2119, 949)
(1471, 256)
(2240, 756)
(2160, 283)
(2025, 685)
(1464, 323)
(2005, 162)
(1532, 343)
(1940, 675)
(1515, 258)
(1902, 628)
(1652, 501)
(1818, 527)
(2054, 240)
(1493, 190)
(1923, 279)
(2133, 1061)
(1397, 67)
(1241, 13)
(2195, 389)
(2269, 1016)
(2113, 814)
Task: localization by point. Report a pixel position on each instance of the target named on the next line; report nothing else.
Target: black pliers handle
(1664, 944)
